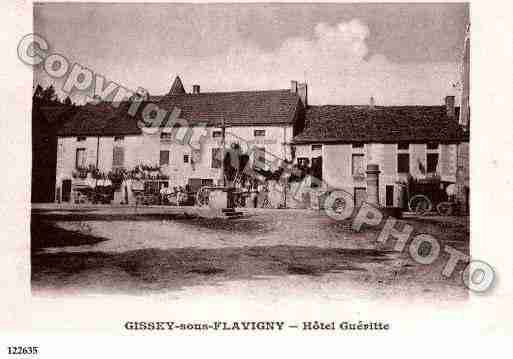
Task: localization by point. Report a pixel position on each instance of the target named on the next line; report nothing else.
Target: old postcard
(222, 168)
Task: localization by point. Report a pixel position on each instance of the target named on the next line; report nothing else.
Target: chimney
(302, 91)
(293, 86)
(195, 89)
(372, 103)
(449, 106)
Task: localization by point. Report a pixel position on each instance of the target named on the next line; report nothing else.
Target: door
(389, 196)
(317, 170)
(66, 190)
(360, 195)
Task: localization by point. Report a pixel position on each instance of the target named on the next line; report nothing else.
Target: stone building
(403, 141)
(187, 147)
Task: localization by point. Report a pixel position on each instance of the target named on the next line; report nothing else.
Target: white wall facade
(145, 150)
(337, 164)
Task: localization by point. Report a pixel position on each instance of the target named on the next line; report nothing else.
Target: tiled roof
(380, 124)
(102, 119)
(55, 113)
(236, 108)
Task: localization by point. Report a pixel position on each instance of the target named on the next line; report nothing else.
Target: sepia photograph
(277, 149)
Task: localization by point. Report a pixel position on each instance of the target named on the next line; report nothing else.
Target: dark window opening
(316, 147)
(403, 146)
(316, 171)
(432, 162)
(357, 145)
(259, 133)
(166, 136)
(164, 158)
(81, 138)
(403, 163)
(217, 134)
(185, 158)
(119, 138)
(389, 200)
(432, 145)
(303, 161)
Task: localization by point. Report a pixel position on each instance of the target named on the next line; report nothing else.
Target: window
(185, 158)
(403, 163)
(80, 161)
(259, 133)
(357, 145)
(119, 138)
(403, 146)
(118, 156)
(432, 162)
(196, 156)
(217, 134)
(164, 158)
(432, 146)
(389, 196)
(357, 168)
(316, 171)
(303, 161)
(166, 136)
(316, 147)
(81, 138)
(216, 157)
(207, 182)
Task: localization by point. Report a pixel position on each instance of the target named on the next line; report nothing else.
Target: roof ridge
(229, 92)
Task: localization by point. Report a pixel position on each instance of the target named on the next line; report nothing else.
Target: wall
(145, 149)
(337, 166)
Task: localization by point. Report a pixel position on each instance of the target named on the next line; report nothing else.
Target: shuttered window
(358, 165)
(118, 156)
(80, 160)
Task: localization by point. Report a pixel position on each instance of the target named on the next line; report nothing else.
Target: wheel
(420, 204)
(444, 208)
(339, 205)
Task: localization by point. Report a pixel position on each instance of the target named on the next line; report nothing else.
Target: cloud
(334, 60)
(336, 64)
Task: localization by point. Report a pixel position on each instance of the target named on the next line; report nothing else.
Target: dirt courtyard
(138, 252)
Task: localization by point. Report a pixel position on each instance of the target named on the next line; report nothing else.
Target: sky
(401, 54)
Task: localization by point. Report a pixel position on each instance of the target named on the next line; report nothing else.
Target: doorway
(66, 190)
(389, 200)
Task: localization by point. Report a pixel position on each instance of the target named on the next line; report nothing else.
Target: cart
(430, 194)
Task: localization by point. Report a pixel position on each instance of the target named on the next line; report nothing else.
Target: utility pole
(223, 141)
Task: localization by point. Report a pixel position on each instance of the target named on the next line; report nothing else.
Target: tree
(235, 162)
(49, 94)
(38, 92)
